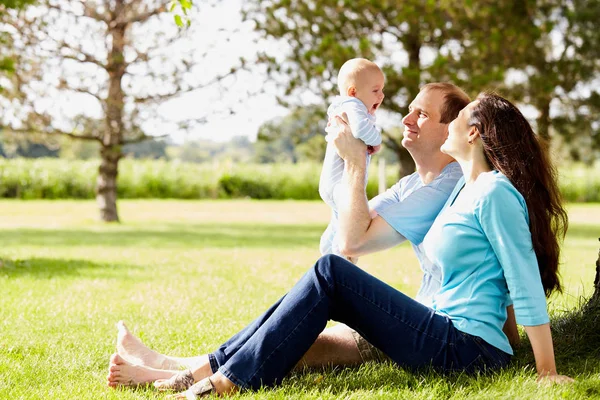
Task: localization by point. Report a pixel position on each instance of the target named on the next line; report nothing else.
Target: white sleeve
(362, 126)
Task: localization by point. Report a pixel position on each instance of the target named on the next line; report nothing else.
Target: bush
(580, 184)
(233, 186)
(62, 179)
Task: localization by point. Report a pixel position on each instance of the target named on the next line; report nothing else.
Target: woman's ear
(473, 134)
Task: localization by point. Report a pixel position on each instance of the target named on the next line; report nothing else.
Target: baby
(360, 83)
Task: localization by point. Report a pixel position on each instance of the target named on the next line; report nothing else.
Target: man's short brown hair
(455, 99)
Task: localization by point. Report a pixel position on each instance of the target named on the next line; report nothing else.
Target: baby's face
(369, 89)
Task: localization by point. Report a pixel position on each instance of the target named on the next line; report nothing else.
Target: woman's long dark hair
(512, 148)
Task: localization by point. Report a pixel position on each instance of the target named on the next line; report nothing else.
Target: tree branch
(179, 92)
(74, 136)
(141, 139)
(88, 58)
(145, 16)
(63, 85)
(142, 57)
(55, 131)
(88, 11)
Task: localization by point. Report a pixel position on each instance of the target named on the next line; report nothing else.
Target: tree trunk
(543, 120)
(112, 139)
(106, 184)
(596, 296)
(407, 164)
(412, 44)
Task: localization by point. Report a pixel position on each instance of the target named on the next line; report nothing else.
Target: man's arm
(358, 233)
(510, 328)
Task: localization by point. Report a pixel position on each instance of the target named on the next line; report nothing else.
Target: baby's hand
(373, 149)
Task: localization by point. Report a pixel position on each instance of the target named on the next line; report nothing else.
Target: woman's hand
(554, 379)
(543, 351)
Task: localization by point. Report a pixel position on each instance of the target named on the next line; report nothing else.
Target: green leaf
(178, 21)
(185, 4)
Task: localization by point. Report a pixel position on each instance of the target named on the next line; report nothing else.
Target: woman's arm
(503, 217)
(543, 351)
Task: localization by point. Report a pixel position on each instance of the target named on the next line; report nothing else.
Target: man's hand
(349, 148)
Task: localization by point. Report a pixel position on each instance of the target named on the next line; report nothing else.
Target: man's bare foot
(123, 373)
(133, 350)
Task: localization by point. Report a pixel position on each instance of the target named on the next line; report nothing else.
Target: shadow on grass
(47, 268)
(387, 378)
(576, 339)
(172, 235)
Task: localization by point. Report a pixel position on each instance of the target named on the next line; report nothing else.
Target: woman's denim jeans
(334, 289)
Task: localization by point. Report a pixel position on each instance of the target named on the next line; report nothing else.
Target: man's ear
(351, 91)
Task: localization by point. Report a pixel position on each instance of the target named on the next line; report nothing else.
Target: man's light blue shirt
(482, 243)
(410, 207)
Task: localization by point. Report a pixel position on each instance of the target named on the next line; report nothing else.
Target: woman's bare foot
(133, 350)
(123, 373)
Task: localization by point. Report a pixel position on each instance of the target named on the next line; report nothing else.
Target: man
(405, 212)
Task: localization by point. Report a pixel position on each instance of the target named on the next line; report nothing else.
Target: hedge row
(62, 179)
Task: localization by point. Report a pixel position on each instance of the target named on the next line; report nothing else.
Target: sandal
(200, 389)
(179, 382)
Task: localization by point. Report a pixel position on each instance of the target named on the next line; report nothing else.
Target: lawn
(186, 275)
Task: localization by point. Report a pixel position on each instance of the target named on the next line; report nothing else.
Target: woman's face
(457, 142)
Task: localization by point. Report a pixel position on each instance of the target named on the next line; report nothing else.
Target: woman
(496, 235)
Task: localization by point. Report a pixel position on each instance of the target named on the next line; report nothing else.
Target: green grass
(186, 275)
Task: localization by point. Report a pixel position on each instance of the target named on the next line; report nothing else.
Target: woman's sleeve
(503, 216)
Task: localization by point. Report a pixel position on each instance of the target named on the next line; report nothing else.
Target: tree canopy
(125, 68)
(541, 53)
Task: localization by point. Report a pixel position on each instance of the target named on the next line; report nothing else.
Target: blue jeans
(412, 335)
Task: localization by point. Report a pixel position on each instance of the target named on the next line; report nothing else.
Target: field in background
(185, 275)
(64, 179)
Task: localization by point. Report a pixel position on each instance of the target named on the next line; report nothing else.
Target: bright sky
(219, 33)
(229, 111)
(225, 50)
(212, 25)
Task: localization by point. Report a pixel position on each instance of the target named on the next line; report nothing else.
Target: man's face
(424, 134)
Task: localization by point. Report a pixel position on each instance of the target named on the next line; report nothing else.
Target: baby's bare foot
(123, 373)
(133, 350)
